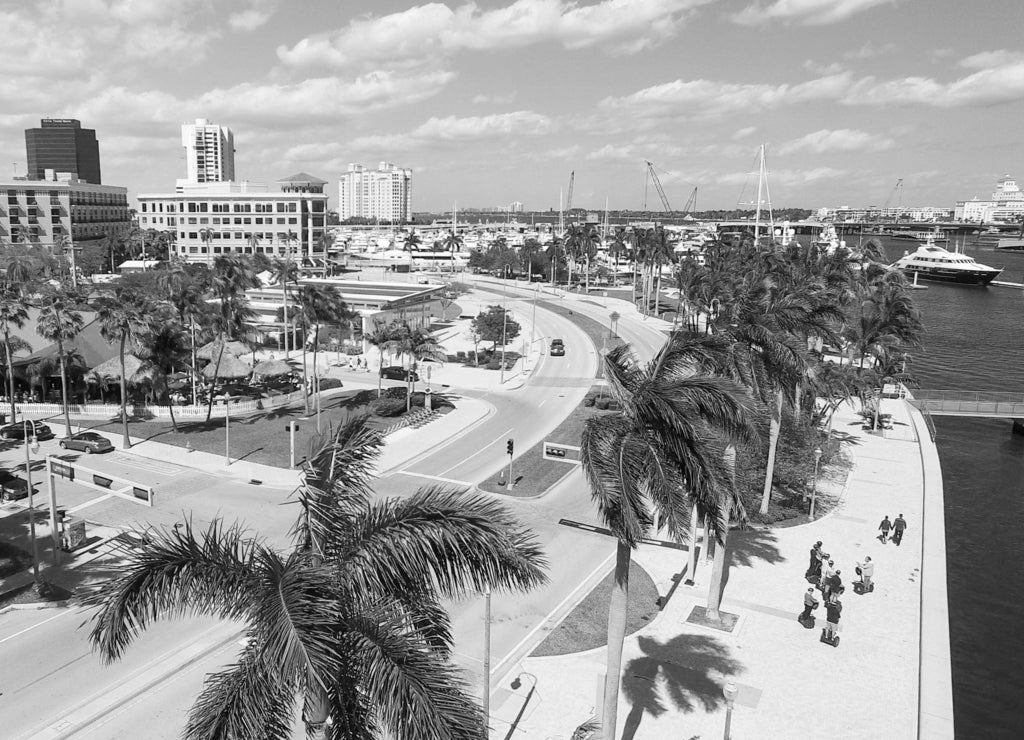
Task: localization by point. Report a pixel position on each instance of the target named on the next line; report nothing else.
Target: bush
(589, 399)
(395, 391)
(493, 365)
(388, 407)
(327, 384)
(602, 403)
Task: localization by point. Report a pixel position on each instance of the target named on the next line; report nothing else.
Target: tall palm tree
(452, 243)
(13, 314)
(60, 323)
(654, 458)
(412, 241)
(418, 345)
(320, 305)
(167, 348)
(285, 272)
(349, 622)
(125, 318)
(206, 234)
(232, 276)
(380, 338)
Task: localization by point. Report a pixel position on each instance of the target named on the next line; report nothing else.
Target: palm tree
(419, 345)
(125, 318)
(167, 348)
(13, 314)
(232, 276)
(285, 271)
(253, 240)
(348, 622)
(412, 241)
(206, 234)
(60, 323)
(380, 338)
(452, 243)
(319, 305)
(654, 458)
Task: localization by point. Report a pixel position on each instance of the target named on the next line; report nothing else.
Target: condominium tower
(62, 145)
(209, 152)
(382, 194)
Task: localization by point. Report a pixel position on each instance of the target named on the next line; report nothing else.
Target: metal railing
(239, 406)
(970, 403)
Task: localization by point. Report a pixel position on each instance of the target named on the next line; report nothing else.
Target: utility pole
(487, 660)
(504, 328)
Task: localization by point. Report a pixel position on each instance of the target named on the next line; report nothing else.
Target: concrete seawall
(935, 691)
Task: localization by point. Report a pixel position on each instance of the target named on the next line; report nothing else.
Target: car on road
(87, 442)
(16, 430)
(557, 348)
(12, 487)
(397, 372)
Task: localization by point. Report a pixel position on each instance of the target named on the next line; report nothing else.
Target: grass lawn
(586, 626)
(261, 438)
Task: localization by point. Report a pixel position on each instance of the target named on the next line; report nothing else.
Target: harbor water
(975, 341)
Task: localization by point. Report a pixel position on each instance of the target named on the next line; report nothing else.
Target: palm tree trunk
(316, 370)
(10, 372)
(691, 558)
(586, 277)
(216, 370)
(284, 311)
(64, 387)
(126, 442)
(773, 444)
(718, 566)
(305, 379)
(616, 635)
(192, 369)
(657, 295)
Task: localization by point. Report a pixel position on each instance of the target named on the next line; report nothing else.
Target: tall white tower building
(384, 193)
(209, 152)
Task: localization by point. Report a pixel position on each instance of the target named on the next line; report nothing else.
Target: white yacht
(931, 262)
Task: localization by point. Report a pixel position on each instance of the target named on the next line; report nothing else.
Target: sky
(496, 101)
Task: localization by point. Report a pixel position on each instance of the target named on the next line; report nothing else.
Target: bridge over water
(972, 403)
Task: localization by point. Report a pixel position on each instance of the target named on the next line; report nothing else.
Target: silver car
(87, 442)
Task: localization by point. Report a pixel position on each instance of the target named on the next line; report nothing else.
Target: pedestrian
(827, 569)
(814, 567)
(899, 527)
(810, 604)
(834, 586)
(884, 528)
(833, 610)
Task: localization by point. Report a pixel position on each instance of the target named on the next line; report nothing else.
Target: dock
(1006, 284)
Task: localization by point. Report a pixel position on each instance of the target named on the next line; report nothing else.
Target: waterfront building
(209, 152)
(62, 145)
(60, 208)
(286, 217)
(383, 194)
(1006, 204)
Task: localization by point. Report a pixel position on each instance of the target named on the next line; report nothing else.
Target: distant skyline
(497, 101)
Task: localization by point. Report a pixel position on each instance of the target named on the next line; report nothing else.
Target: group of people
(897, 527)
(827, 578)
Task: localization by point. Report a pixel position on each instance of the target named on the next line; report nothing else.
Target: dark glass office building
(62, 145)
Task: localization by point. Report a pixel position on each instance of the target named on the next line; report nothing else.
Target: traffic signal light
(509, 446)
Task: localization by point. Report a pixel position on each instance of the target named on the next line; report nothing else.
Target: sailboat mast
(561, 217)
(760, 185)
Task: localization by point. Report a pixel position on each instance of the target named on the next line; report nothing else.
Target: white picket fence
(239, 407)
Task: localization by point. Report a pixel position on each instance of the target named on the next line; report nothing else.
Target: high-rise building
(58, 208)
(384, 193)
(62, 145)
(285, 218)
(209, 152)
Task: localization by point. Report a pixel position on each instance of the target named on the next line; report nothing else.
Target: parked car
(397, 372)
(87, 442)
(17, 429)
(12, 488)
(557, 348)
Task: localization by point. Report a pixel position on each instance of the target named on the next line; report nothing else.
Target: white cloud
(785, 177)
(744, 132)
(837, 140)
(990, 59)
(992, 85)
(870, 50)
(455, 129)
(806, 12)
(434, 29)
(249, 19)
(495, 98)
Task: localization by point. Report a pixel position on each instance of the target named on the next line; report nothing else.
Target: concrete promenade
(888, 678)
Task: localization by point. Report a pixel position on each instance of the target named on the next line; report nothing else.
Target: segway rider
(867, 572)
(814, 568)
(810, 604)
(833, 609)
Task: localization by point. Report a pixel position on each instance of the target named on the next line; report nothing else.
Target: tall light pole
(814, 481)
(487, 661)
(32, 442)
(730, 691)
(227, 428)
(504, 329)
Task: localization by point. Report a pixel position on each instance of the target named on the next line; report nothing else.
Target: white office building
(209, 152)
(383, 194)
(276, 219)
(1006, 204)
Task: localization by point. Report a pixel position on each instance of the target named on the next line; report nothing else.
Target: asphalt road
(57, 674)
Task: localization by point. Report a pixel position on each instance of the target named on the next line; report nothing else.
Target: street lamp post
(814, 481)
(32, 442)
(730, 691)
(227, 428)
(487, 660)
(504, 330)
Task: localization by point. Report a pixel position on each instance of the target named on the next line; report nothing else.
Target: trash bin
(73, 534)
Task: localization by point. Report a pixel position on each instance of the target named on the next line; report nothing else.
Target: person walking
(833, 610)
(898, 528)
(884, 528)
(834, 585)
(827, 569)
(810, 604)
(814, 567)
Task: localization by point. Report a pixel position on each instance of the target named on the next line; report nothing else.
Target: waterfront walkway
(790, 684)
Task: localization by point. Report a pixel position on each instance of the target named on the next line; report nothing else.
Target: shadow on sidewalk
(749, 545)
(689, 667)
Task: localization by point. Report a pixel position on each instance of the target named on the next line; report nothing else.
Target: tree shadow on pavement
(747, 546)
(691, 670)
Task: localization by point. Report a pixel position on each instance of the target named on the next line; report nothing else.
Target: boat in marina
(932, 262)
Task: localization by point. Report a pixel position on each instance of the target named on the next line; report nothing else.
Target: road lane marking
(461, 483)
(482, 449)
(38, 624)
(96, 500)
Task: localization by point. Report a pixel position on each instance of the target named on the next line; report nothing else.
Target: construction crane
(897, 188)
(657, 184)
(691, 204)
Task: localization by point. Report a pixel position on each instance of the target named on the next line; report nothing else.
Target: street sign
(562, 453)
(290, 427)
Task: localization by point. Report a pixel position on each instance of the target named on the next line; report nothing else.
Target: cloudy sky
(498, 100)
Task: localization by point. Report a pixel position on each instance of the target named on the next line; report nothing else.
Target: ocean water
(975, 341)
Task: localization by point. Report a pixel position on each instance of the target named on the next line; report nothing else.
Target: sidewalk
(790, 684)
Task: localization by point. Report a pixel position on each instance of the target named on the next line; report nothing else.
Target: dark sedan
(17, 431)
(557, 348)
(397, 372)
(87, 442)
